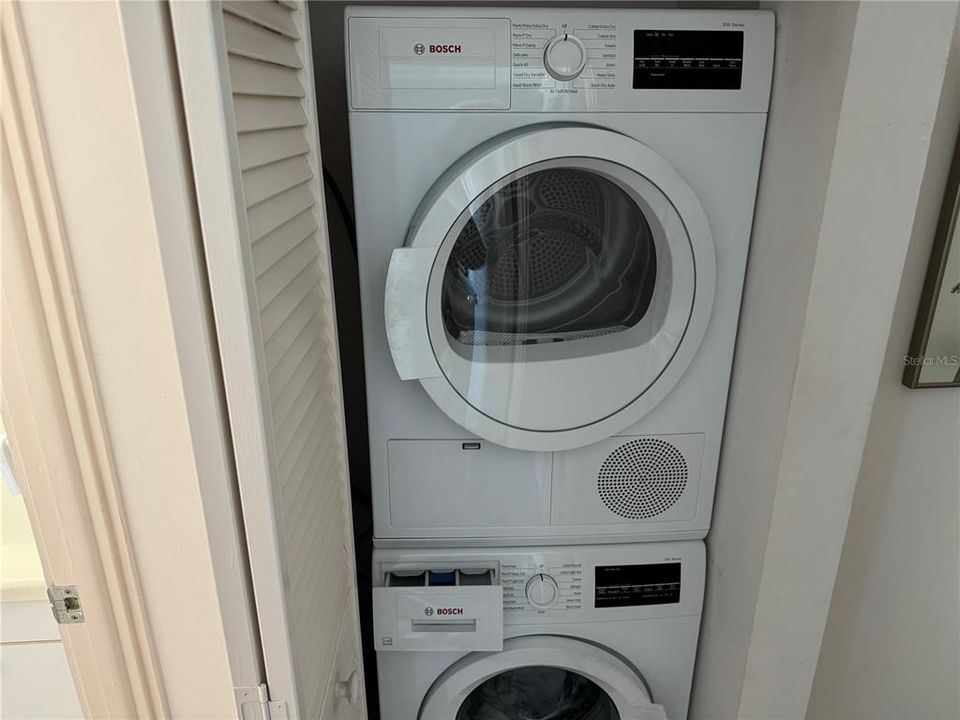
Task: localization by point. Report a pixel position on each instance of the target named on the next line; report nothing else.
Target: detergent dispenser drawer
(435, 615)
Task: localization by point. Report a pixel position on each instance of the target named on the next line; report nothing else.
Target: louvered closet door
(248, 96)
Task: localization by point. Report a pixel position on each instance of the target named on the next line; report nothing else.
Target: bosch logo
(429, 611)
(420, 49)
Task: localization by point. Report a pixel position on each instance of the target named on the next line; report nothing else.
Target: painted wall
(813, 49)
(813, 339)
(892, 642)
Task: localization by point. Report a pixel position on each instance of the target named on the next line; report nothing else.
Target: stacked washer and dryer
(553, 212)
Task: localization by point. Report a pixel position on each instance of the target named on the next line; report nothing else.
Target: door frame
(60, 443)
(147, 27)
(200, 43)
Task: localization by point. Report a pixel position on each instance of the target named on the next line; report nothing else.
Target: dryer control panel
(557, 59)
(549, 58)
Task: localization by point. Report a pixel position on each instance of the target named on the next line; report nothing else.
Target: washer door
(540, 677)
(554, 287)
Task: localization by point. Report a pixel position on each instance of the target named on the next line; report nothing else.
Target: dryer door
(554, 287)
(543, 676)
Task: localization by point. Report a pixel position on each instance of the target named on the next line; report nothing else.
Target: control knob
(542, 590)
(565, 57)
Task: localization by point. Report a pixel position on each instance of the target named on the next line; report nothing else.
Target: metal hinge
(254, 703)
(65, 604)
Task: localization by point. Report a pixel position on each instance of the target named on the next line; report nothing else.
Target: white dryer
(553, 216)
(601, 632)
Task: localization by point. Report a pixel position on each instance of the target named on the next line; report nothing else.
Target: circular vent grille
(642, 478)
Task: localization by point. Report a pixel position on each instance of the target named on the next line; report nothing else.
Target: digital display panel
(687, 59)
(631, 585)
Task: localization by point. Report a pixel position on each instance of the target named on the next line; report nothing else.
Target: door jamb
(148, 34)
(59, 439)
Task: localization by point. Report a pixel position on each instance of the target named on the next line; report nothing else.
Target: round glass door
(539, 677)
(538, 693)
(553, 289)
(561, 294)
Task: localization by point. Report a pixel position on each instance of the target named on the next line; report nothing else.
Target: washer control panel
(553, 584)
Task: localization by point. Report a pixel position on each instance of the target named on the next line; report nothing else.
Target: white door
(247, 80)
(554, 286)
(541, 676)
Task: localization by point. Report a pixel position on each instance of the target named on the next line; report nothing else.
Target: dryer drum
(557, 254)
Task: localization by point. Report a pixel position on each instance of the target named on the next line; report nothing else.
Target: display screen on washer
(629, 585)
(687, 59)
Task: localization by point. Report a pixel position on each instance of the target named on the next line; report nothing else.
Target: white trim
(348, 664)
(894, 82)
(148, 39)
(205, 84)
(60, 442)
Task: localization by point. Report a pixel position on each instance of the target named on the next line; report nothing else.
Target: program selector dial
(565, 57)
(542, 590)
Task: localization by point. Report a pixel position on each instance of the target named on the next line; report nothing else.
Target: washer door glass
(538, 693)
(556, 255)
(539, 677)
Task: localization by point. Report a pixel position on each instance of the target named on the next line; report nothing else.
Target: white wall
(894, 83)
(892, 642)
(849, 132)
(813, 49)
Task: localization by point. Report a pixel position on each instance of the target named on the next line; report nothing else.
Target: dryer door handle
(405, 312)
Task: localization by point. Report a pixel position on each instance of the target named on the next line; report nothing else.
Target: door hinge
(65, 604)
(254, 703)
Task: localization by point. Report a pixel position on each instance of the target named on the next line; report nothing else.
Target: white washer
(606, 632)
(553, 216)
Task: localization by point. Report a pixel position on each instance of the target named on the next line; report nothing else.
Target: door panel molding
(257, 167)
(59, 438)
